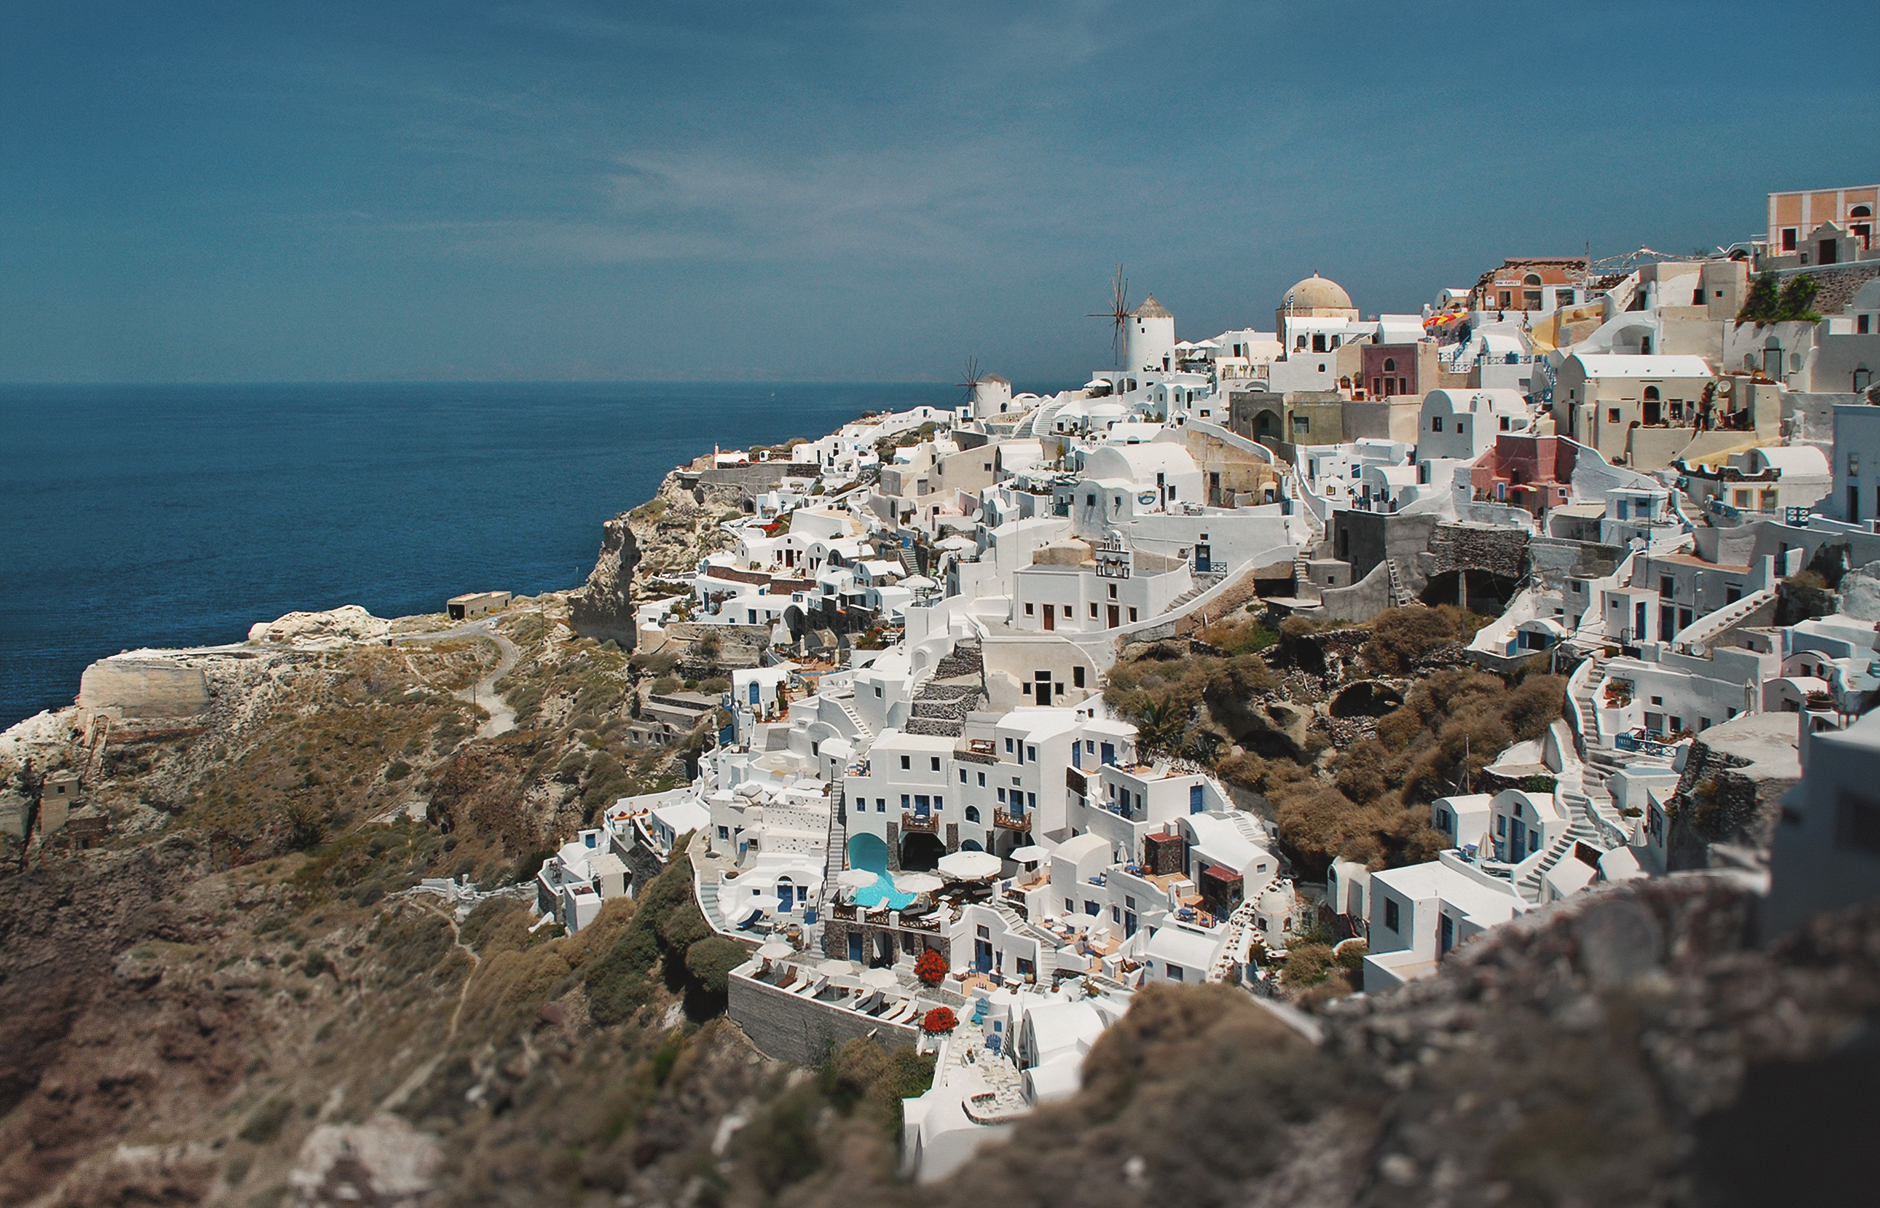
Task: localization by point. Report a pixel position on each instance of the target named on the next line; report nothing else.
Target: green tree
(1797, 302)
(1765, 297)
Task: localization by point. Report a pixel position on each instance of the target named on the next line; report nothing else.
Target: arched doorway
(1266, 426)
(921, 852)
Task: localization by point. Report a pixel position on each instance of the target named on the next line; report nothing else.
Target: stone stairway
(1249, 827)
(909, 562)
(1237, 926)
(941, 708)
(1303, 586)
(94, 758)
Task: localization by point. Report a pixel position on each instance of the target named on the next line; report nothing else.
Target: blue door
(1195, 803)
(982, 955)
(855, 945)
(1109, 752)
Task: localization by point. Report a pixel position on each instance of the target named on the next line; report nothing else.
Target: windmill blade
(972, 377)
(1118, 314)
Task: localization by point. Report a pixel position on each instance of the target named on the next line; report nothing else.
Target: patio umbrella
(775, 950)
(1031, 853)
(917, 882)
(836, 968)
(971, 865)
(881, 979)
(855, 878)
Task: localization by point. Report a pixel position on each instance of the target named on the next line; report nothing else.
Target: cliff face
(602, 608)
(667, 534)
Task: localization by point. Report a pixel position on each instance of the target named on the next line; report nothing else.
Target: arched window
(1390, 364)
(1531, 279)
(1651, 394)
(1861, 212)
(1300, 346)
(1344, 383)
(972, 813)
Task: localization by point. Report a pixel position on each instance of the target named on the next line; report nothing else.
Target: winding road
(483, 693)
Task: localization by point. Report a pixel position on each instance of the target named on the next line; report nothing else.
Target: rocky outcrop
(602, 608)
(321, 630)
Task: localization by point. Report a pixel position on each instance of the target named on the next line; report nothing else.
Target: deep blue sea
(180, 515)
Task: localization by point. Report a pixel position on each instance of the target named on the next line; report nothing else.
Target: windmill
(1118, 314)
(971, 384)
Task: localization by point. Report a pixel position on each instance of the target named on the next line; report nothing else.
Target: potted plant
(930, 967)
(939, 1021)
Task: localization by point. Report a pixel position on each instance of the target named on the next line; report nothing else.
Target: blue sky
(866, 191)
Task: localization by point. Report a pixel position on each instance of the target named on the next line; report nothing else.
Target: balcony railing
(925, 824)
(1007, 821)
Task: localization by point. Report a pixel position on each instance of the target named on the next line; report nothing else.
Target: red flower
(939, 1020)
(930, 967)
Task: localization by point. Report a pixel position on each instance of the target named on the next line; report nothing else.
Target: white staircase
(862, 729)
(1581, 828)
(835, 853)
(1585, 704)
(1047, 943)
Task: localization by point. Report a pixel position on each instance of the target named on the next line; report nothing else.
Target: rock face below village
(602, 608)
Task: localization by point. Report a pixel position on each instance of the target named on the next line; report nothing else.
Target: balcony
(920, 824)
(1007, 821)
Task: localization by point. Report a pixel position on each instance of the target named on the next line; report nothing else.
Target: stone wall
(1497, 551)
(802, 1030)
(143, 689)
(908, 940)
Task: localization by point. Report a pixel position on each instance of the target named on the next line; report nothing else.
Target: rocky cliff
(602, 608)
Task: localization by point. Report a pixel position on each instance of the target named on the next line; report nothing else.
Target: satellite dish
(1725, 386)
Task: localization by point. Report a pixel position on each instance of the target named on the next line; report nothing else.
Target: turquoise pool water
(868, 852)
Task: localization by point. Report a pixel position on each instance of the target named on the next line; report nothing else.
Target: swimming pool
(870, 853)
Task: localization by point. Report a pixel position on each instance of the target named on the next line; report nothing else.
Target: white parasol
(917, 882)
(971, 865)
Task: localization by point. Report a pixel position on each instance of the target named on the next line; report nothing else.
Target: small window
(1029, 608)
(1175, 972)
(1436, 423)
(1008, 746)
(962, 775)
(1390, 914)
(1612, 417)
(1077, 672)
(906, 763)
(936, 763)
(982, 780)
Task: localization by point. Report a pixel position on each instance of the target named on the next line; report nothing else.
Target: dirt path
(483, 693)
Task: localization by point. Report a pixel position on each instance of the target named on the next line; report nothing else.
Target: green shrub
(710, 961)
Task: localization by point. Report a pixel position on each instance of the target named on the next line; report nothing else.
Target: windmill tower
(1151, 338)
(987, 394)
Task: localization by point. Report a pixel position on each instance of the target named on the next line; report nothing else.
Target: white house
(1463, 423)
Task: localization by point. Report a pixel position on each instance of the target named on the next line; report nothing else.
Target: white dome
(1317, 293)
